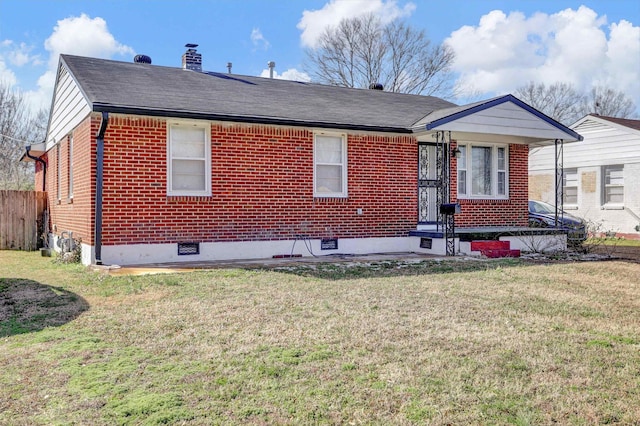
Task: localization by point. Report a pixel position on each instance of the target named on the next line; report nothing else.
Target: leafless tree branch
(362, 51)
(18, 128)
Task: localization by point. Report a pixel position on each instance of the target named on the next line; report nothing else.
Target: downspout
(99, 181)
(44, 167)
(45, 212)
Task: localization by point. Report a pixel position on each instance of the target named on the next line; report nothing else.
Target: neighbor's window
(330, 165)
(570, 186)
(483, 171)
(189, 165)
(613, 191)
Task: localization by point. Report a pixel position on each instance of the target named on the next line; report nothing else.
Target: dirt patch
(619, 252)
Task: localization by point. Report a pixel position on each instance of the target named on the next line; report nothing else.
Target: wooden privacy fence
(20, 214)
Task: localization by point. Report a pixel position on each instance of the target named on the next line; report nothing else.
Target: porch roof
(501, 119)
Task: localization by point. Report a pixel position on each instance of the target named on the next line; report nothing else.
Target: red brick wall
(39, 174)
(262, 186)
(73, 214)
(510, 212)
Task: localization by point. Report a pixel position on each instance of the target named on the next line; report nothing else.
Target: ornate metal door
(432, 180)
(427, 184)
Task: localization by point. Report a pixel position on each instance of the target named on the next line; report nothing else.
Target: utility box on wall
(452, 208)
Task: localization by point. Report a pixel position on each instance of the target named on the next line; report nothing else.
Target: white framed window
(570, 187)
(58, 172)
(70, 168)
(613, 185)
(483, 171)
(189, 158)
(462, 170)
(330, 165)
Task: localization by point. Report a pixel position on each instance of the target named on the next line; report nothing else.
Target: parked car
(543, 215)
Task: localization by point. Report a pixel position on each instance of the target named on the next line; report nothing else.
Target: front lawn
(478, 342)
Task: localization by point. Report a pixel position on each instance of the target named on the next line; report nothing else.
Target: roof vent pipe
(229, 65)
(271, 66)
(142, 59)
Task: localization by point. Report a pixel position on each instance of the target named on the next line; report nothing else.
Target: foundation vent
(185, 249)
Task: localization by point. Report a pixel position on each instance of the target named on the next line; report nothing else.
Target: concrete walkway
(167, 268)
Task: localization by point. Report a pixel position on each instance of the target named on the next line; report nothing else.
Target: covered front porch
(473, 177)
(491, 241)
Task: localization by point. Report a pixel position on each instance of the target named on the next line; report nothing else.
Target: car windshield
(540, 207)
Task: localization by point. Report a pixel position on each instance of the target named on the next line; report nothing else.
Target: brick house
(148, 164)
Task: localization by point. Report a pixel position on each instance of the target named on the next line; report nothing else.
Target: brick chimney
(192, 60)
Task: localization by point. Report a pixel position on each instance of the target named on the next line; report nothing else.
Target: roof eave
(434, 125)
(199, 115)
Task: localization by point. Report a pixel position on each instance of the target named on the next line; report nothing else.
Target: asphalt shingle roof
(628, 122)
(157, 90)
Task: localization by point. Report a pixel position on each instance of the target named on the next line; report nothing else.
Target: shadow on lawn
(27, 306)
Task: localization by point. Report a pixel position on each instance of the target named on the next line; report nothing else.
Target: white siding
(505, 119)
(69, 108)
(604, 144)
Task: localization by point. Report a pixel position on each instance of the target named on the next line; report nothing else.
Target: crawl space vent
(188, 248)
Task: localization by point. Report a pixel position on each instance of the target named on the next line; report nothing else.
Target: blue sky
(500, 45)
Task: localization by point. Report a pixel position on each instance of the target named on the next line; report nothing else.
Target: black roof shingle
(125, 87)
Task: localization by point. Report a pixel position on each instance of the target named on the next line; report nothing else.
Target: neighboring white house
(601, 174)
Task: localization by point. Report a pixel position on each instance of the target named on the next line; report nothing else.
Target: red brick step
(494, 249)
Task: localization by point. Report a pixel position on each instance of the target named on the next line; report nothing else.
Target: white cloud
(19, 54)
(314, 22)
(258, 40)
(290, 74)
(622, 66)
(84, 36)
(7, 76)
(76, 35)
(14, 55)
(504, 52)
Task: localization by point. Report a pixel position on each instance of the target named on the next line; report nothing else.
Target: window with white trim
(483, 171)
(570, 187)
(189, 159)
(329, 165)
(462, 170)
(58, 172)
(613, 184)
(70, 169)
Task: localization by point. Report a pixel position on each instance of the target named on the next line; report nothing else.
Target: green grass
(454, 342)
(622, 242)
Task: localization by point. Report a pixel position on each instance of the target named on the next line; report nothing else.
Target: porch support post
(559, 195)
(442, 173)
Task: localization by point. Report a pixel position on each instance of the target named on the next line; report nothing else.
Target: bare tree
(362, 51)
(562, 102)
(18, 127)
(608, 102)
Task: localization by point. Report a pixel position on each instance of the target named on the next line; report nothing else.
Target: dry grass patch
(475, 343)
